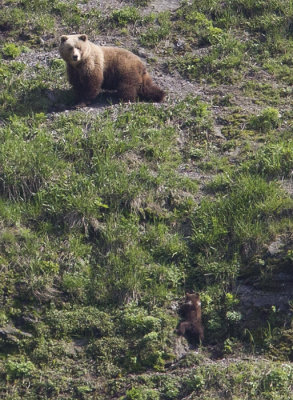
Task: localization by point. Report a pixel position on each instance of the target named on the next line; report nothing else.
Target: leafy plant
(267, 120)
(11, 50)
(154, 34)
(272, 160)
(124, 16)
(18, 367)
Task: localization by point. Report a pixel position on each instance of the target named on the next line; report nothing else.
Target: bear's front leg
(86, 84)
(183, 327)
(91, 87)
(75, 80)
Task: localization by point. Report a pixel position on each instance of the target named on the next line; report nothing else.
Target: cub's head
(73, 48)
(193, 298)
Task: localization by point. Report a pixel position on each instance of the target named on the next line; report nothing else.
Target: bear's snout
(75, 55)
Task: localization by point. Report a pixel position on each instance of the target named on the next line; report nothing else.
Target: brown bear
(91, 68)
(192, 326)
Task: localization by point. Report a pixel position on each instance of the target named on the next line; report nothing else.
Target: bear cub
(91, 68)
(191, 327)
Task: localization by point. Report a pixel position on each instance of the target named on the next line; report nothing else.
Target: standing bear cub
(91, 68)
(192, 326)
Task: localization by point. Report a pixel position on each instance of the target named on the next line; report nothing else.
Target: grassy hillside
(110, 213)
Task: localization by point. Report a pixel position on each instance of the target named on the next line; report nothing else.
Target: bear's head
(73, 48)
(193, 298)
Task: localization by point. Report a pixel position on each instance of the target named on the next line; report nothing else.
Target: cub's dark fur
(191, 326)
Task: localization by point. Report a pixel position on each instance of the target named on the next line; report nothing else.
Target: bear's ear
(83, 37)
(63, 38)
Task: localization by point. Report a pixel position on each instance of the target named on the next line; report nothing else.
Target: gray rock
(276, 247)
(11, 333)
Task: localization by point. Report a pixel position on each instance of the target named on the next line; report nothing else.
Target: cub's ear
(63, 38)
(83, 37)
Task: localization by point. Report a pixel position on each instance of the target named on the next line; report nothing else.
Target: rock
(252, 297)
(181, 347)
(218, 132)
(13, 334)
(276, 247)
(180, 44)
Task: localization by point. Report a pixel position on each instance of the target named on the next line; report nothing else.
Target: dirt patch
(162, 5)
(154, 6)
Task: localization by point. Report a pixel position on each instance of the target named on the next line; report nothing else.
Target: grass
(108, 216)
(158, 29)
(201, 380)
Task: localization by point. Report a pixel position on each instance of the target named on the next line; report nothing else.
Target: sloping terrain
(110, 213)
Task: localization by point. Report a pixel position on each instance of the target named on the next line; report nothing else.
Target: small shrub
(149, 333)
(136, 321)
(72, 197)
(221, 63)
(18, 367)
(197, 27)
(69, 12)
(170, 386)
(11, 50)
(26, 165)
(124, 16)
(267, 120)
(272, 160)
(76, 285)
(277, 380)
(155, 34)
(281, 346)
(141, 393)
(80, 321)
(194, 382)
(111, 355)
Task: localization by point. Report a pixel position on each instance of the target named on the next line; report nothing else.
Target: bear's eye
(70, 48)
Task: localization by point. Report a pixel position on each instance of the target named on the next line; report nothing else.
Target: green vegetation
(158, 28)
(234, 36)
(109, 214)
(124, 16)
(248, 379)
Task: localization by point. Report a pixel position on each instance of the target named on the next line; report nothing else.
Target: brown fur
(192, 326)
(91, 68)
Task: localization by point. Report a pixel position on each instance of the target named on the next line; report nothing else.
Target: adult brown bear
(91, 68)
(191, 327)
